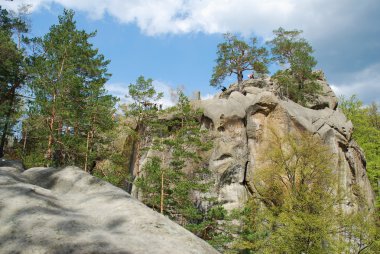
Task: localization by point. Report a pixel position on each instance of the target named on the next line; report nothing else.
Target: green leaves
(235, 56)
(67, 80)
(297, 81)
(12, 73)
(174, 173)
(144, 97)
(292, 209)
(366, 133)
(296, 205)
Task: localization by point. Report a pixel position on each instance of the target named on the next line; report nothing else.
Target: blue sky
(174, 41)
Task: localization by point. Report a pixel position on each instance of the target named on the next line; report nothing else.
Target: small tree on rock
(295, 53)
(235, 56)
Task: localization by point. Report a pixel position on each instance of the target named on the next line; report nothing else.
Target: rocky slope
(49, 210)
(241, 122)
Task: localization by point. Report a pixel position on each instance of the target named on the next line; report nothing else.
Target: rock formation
(49, 210)
(241, 122)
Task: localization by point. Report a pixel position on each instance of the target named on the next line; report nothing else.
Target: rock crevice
(246, 119)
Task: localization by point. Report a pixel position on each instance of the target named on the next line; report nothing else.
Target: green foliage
(295, 53)
(67, 78)
(142, 92)
(12, 74)
(235, 56)
(141, 114)
(143, 109)
(289, 87)
(174, 178)
(150, 183)
(360, 233)
(296, 204)
(292, 210)
(367, 134)
(214, 227)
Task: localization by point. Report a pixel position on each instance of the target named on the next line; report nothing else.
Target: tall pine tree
(68, 78)
(12, 72)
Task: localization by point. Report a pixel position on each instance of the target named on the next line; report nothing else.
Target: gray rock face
(16, 165)
(326, 99)
(48, 210)
(242, 121)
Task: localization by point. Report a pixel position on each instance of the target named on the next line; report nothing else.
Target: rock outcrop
(242, 121)
(49, 210)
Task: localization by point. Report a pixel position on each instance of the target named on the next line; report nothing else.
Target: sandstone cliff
(49, 210)
(241, 122)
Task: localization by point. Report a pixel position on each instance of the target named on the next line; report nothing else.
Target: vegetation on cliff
(236, 56)
(366, 121)
(296, 206)
(53, 103)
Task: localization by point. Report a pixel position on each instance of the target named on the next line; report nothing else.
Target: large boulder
(241, 123)
(50, 210)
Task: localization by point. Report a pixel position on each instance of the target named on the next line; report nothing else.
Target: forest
(55, 112)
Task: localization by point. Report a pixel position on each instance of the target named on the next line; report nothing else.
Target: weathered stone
(14, 164)
(49, 210)
(242, 121)
(327, 97)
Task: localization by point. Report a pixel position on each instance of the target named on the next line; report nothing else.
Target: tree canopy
(67, 78)
(235, 56)
(12, 72)
(295, 204)
(54, 93)
(366, 121)
(297, 80)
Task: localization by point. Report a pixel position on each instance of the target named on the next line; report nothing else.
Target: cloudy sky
(174, 41)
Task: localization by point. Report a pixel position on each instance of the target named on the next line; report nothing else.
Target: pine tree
(297, 81)
(141, 113)
(174, 174)
(12, 73)
(236, 56)
(68, 78)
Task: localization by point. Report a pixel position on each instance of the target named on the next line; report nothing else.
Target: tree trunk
(3, 137)
(137, 157)
(7, 122)
(162, 185)
(162, 182)
(162, 192)
(11, 93)
(136, 167)
(51, 128)
(24, 141)
(87, 147)
(240, 79)
(53, 113)
(90, 136)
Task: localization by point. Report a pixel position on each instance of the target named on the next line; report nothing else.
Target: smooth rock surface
(49, 210)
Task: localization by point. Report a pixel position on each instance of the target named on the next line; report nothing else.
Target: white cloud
(317, 17)
(207, 96)
(166, 89)
(120, 90)
(364, 83)
(345, 33)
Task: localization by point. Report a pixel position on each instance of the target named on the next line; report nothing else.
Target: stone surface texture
(49, 210)
(241, 121)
